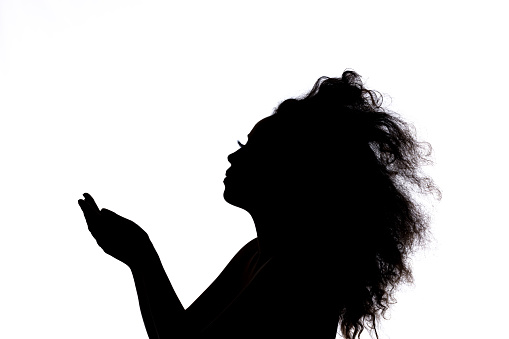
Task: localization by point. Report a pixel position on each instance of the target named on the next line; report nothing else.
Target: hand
(117, 236)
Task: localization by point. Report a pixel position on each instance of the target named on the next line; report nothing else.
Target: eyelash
(238, 142)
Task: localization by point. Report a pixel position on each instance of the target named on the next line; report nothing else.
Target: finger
(88, 210)
(92, 217)
(83, 205)
(86, 207)
(91, 201)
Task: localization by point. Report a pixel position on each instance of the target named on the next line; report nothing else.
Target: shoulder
(282, 297)
(247, 250)
(222, 290)
(233, 270)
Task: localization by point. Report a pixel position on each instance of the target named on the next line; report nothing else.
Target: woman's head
(349, 169)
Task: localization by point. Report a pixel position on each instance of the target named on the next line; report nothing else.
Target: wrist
(144, 257)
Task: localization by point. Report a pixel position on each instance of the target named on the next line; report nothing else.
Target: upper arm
(220, 292)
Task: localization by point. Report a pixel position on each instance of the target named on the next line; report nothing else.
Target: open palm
(117, 236)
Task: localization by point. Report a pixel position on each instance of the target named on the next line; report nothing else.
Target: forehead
(264, 127)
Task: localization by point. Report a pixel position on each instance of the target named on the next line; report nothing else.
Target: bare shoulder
(282, 298)
(222, 290)
(247, 250)
(235, 268)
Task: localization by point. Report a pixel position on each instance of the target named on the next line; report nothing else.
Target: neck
(274, 233)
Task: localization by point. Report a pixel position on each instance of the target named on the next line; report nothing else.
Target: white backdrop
(140, 102)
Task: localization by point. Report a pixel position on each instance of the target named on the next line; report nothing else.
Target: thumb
(107, 213)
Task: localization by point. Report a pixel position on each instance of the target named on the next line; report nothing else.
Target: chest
(273, 299)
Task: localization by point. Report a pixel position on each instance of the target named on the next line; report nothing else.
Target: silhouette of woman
(328, 180)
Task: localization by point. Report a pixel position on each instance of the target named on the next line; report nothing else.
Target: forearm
(162, 311)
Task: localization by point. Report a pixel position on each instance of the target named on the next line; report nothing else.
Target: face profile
(253, 171)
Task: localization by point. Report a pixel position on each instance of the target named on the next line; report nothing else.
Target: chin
(233, 197)
(229, 197)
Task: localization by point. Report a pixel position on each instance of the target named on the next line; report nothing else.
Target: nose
(232, 156)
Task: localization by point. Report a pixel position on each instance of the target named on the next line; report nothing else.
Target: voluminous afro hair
(367, 168)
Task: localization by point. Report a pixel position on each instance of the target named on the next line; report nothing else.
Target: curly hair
(376, 160)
